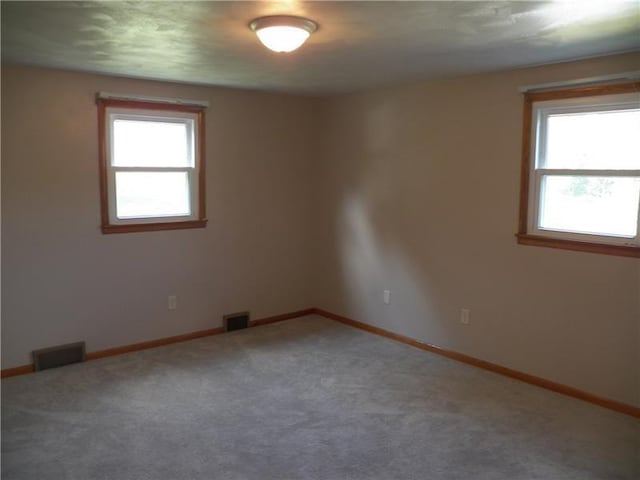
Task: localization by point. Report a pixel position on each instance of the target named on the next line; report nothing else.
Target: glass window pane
(144, 143)
(152, 194)
(594, 140)
(595, 205)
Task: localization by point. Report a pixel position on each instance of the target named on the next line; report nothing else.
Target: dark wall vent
(235, 321)
(58, 356)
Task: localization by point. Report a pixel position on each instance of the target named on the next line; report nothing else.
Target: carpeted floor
(303, 399)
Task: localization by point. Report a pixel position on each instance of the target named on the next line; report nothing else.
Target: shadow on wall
(369, 266)
(411, 212)
(422, 199)
(369, 220)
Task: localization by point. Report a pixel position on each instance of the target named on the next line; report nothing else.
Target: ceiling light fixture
(283, 33)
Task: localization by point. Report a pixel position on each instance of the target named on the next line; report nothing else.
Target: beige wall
(314, 202)
(420, 190)
(64, 281)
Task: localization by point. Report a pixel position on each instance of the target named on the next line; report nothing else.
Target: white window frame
(185, 118)
(192, 117)
(538, 106)
(541, 112)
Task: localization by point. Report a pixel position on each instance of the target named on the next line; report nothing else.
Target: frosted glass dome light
(283, 33)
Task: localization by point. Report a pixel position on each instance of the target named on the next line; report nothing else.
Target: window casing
(151, 165)
(580, 181)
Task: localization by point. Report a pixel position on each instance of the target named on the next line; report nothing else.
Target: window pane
(152, 194)
(596, 205)
(144, 143)
(594, 140)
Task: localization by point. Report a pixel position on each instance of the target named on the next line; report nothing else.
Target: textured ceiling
(358, 45)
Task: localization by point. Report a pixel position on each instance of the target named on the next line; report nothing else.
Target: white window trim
(540, 111)
(187, 118)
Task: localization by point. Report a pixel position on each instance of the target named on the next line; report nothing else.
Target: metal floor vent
(235, 321)
(58, 356)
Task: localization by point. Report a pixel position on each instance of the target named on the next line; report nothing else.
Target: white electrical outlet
(465, 316)
(386, 297)
(172, 302)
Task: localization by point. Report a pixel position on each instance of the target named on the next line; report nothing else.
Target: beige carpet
(302, 399)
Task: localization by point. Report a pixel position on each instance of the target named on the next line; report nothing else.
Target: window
(151, 165)
(580, 185)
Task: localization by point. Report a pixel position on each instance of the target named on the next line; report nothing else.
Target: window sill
(153, 227)
(539, 241)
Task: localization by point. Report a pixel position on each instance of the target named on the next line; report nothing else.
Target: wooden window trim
(106, 226)
(525, 238)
